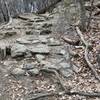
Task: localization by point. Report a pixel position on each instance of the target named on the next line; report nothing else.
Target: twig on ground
(86, 54)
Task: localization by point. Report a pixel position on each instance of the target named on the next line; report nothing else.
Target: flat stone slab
(40, 49)
(58, 49)
(23, 41)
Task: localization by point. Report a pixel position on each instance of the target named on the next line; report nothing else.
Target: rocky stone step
(40, 49)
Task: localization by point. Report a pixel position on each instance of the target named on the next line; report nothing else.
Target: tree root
(87, 94)
(90, 65)
(86, 54)
(71, 42)
(64, 92)
(81, 36)
(57, 75)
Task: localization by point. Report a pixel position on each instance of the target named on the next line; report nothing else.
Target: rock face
(15, 7)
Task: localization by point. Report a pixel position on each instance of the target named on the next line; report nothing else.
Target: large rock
(23, 41)
(18, 50)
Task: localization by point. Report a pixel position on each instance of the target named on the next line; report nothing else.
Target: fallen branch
(86, 54)
(70, 41)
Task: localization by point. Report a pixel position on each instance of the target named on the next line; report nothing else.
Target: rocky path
(27, 46)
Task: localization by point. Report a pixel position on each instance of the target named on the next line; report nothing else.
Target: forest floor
(36, 75)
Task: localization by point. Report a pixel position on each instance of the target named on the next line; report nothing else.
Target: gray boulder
(18, 50)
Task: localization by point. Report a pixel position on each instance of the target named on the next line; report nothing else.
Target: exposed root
(57, 75)
(86, 54)
(71, 42)
(90, 65)
(64, 92)
(87, 94)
